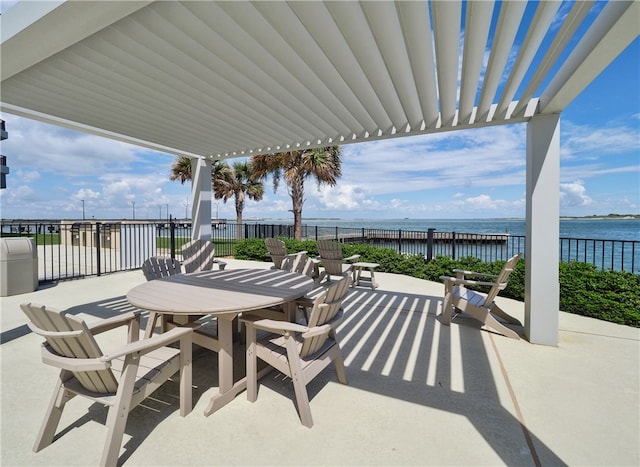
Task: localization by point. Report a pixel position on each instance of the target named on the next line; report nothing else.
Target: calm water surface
(607, 229)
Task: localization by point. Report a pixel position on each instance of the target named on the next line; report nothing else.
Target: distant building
(4, 170)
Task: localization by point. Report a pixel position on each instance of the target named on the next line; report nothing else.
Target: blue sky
(476, 173)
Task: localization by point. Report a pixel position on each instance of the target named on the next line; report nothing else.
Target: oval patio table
(224, 294)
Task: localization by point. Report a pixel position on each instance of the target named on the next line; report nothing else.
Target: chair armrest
(351, 258)
(279, 327)
(317, 331)
(148, 345)
(461, 272)
(113, 323)
(50, 357)
(306, 302)
(457, 281)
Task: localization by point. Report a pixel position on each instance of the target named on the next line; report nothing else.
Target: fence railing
(68, 249)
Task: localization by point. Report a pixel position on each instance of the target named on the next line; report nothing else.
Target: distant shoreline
(341, 219)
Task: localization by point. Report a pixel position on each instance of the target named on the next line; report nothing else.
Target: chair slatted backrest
(330, 253)
(198, 255)
(68, 336)
(277, 251)
(156, 267)
(299, 263)
(502, 280)
(326, 312)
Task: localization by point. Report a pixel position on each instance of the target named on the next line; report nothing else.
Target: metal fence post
(430, 244)
(172, 239)
(98, 268)
(453, 245)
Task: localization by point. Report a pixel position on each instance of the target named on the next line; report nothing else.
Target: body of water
(603, 229)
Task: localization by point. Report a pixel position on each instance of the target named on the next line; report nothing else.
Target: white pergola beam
(27, 19)
(201, 199)
(542, 287)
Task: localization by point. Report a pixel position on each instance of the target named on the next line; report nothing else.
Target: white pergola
(215, 80)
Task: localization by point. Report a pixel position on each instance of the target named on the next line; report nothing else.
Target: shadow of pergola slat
(398, 337)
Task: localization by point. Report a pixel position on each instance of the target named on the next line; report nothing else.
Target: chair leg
(342, 375)
(186, 376)
(299, 383)
(151, 324)
(488, 320)
(497, 326)
(446, 309)
(496, 310)
(252, 364)
(119, 413)
(54, 412)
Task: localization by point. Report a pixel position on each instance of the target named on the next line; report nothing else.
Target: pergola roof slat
(446, 26)
(318, 21)
(612, 31)
(508, 23)
(545, 13)
(477, 24)
(573, 20)
(416, 26)
(230, 78)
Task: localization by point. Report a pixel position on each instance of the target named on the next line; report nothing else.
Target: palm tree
(181, 169)
(323, 164)
(239, 182)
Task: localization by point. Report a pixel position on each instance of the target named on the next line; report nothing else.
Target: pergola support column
(201, 199)
(542, 287)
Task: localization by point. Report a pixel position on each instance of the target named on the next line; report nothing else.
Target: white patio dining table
(224, 294)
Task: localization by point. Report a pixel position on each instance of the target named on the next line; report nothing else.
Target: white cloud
(581, 172)
(27, 176)
(471, 173)
(342, 197)
(23, 192)
(483, 157)
(588, 142)
(64, 152)
(573, 195)
(86, 194)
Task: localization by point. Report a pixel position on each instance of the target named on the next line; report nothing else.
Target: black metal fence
(68, 249)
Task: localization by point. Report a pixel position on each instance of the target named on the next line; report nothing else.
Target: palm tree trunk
(239, 209)
(297, 200)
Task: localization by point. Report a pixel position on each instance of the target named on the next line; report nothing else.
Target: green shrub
(252, 249)
(584, 290)
(609, 295)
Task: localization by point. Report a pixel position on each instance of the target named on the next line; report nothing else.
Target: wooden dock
(388, 236)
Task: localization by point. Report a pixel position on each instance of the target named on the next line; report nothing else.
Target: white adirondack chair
(153, 268)
(479, 305)
(199, 255)
(330, 254)
(300, 352)
(120, 379)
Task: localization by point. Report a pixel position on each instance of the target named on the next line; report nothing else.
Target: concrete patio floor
(419, 393)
